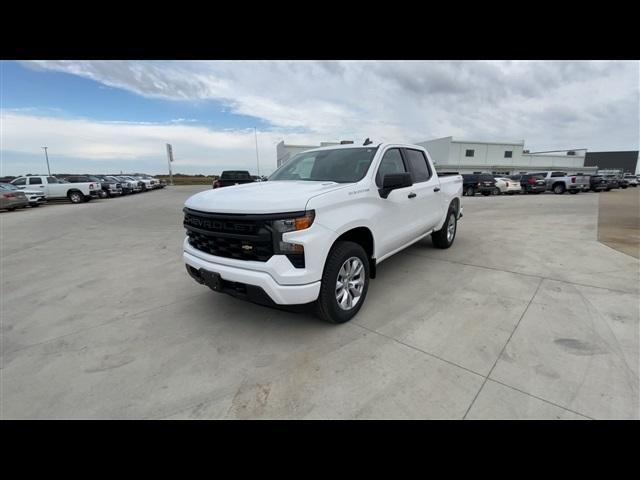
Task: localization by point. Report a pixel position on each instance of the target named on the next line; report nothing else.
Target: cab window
(418, 165)
(20, 181)
(35, 181)
(391, 163)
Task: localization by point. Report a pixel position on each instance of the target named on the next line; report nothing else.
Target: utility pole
(257, 156)
(47, 157)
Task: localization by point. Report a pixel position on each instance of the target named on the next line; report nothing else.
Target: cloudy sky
(111, 116)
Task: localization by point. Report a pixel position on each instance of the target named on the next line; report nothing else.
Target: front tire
(345, 282)
(470, 192)
(444, 237)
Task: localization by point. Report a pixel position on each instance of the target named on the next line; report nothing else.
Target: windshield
(344, 165)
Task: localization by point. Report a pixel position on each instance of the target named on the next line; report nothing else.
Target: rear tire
(559, 189)
(327, 306)
(444, 237)
(75, 197)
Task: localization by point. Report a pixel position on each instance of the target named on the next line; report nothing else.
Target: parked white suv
(315, 231)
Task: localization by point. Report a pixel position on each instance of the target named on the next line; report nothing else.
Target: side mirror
(392, 181)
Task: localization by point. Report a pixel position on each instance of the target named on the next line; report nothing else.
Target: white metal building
(285, 152)
(499, 158)
(503, 158)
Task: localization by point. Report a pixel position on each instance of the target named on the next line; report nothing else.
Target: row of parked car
(35, 190)
(538, 182)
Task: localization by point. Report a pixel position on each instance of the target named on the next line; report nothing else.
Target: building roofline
(488, 143)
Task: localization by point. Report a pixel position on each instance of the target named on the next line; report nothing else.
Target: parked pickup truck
(560, 182)
(54, 188)
(232, 177)
(318, 228)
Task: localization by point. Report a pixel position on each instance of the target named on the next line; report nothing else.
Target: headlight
(293, 251)
(294, 224)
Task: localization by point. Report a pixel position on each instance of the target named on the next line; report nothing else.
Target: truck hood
(261, 197)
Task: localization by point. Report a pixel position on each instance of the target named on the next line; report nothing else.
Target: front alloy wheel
(344, 283)
(350, 283)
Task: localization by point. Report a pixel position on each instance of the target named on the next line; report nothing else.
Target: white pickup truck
(560, 182)
(315, 231)
(55, 188)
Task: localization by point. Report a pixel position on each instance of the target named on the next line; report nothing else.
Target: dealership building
(501, 158)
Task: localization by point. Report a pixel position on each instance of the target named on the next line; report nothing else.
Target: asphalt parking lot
(527, 316)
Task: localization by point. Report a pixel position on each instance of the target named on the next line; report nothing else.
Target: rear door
(428, 197)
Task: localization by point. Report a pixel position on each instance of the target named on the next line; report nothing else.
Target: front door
(394, 224)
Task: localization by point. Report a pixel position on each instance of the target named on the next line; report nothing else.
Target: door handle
(412, 195)
(436, 189)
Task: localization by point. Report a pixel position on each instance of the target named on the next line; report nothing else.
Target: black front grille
(244, 237)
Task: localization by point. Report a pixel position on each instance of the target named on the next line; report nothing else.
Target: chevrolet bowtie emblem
(247, 247)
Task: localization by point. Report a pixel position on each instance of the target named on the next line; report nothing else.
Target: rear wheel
(345, 282)
(559, 189)
(75, 197)
(444, 237)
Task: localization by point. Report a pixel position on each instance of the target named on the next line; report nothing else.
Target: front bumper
(240, 282)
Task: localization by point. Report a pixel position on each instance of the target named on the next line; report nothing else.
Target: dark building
(626, 161)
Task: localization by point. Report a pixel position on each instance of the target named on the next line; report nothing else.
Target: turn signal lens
(304, 222)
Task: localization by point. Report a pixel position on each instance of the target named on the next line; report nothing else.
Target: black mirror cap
(396, 180)
(392, 181)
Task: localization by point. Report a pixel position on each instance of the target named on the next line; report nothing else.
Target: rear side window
(418, 165)
(52, 180)
(558, 174)
(20, 181)
(391, 163)
(35, 181)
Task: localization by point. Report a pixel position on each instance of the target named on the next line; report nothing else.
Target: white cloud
(97, 145)
(551, 105)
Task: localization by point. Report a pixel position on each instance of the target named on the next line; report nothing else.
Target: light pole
(257, 156)
(47, 157)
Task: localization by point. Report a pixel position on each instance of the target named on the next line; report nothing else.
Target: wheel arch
(363, 237)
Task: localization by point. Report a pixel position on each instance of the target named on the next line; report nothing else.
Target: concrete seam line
(525, 274)
(417, 349)
(540, 398)
(504, 348)
(112, 320)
